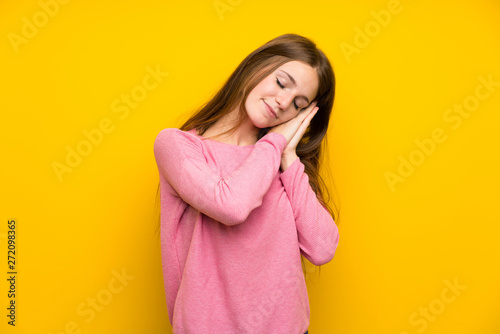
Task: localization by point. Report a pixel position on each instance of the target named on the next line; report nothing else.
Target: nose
(284, 99)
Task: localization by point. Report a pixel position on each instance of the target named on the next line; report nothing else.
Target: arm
(317, 232)
(180, 159)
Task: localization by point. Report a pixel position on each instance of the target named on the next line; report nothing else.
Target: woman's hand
(293, 130)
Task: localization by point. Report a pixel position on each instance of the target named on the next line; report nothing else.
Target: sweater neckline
(193, 131)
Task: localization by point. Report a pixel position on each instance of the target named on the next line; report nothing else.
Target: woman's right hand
(290, 127)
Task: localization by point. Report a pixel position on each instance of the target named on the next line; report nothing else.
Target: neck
(245, 134)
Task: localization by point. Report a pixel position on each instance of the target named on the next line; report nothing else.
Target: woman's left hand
(289, 153)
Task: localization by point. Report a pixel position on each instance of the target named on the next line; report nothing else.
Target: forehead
(305, 76)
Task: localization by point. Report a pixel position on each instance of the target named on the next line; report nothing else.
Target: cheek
(266, 87)
(289, 117)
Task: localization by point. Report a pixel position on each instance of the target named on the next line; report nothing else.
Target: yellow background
(399, 246)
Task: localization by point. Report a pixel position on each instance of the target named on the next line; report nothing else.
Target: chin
(260, 123)
(264, 126)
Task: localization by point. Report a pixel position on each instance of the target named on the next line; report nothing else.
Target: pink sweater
(233, 227)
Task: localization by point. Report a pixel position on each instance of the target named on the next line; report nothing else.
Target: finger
(305, 123)
(304, 113)
(308, 119)
(309, 107)
(310, 115)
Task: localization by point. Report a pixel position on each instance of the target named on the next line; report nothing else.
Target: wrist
(287, 160)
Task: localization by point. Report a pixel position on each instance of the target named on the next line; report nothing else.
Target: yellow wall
(408, 231)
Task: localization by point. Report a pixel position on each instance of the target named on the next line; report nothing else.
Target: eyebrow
(293, 81)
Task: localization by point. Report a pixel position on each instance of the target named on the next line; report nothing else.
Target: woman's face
(286, 91)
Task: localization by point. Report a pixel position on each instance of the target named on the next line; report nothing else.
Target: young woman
(240, 196)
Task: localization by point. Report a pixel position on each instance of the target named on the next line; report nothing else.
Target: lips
(270, 110)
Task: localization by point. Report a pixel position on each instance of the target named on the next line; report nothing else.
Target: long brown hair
(254, 68)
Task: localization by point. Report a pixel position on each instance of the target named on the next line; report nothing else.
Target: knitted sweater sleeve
(229, 199)
(317, 232)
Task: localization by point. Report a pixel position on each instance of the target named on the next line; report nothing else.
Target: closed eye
(279, 84)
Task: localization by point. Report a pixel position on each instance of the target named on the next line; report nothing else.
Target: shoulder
(177, 137)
